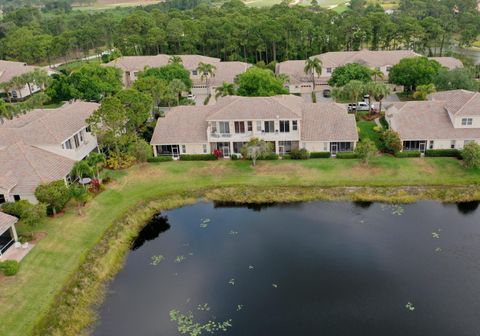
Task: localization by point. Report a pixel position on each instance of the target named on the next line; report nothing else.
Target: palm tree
(81, 169)
(354, 90)
(7, 88)
(175, 59)
(18, 84)
(376, 73)
(227, 89)
(80, 195)
(422, 91)
(41, 78)
(177, 87)
(29, 78)
(313, 66)
(378, 91)
(207, 71)
(96, 160)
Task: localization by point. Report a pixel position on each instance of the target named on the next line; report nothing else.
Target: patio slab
(14, 253)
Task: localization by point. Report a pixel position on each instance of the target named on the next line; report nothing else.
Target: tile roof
(370, 58)
(46, 126)
(10, 69)
(225, 72)
(138, 63)
(459, 102)
(427, 120)
(236, 107)
(6, 221)
(294, 70)
(328, 122)
(448, 62)
(28, 166)
(321, 122)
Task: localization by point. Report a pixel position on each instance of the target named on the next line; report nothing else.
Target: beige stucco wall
(458, 122)
(316, 146)
(196, 148)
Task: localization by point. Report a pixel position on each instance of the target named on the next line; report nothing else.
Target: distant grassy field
(108, 4)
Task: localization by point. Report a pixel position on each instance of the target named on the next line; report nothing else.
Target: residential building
(224, 72)
(450, 119)
(42, 146)
(8, 234)
(380, 59)
(8, 70)
(285, 121)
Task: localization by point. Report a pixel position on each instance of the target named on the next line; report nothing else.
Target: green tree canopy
(460, 78)
(348, 72)
(138, 107)
(54, 194)
(168, 73)
(259, 82)
(365, 150)
(414, 71)
(471, 155)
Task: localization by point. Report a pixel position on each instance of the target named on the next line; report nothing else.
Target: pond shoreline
(74, 309)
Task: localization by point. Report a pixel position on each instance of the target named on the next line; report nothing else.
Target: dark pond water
(303, 269)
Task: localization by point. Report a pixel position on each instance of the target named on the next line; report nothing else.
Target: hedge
(443, 152)
(408, 154)
(197, 157)
(160, 159)
(9, 267)
(269, 156)
(346, 155)
(320, 155)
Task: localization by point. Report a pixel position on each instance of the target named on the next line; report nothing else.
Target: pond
(318, 268)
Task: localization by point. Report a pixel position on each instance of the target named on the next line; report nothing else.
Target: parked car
(327, 93)
(191, 97)
(360, 106)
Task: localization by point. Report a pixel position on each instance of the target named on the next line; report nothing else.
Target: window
(389, 68)
(249, 126)
(88, 129)
(204, 148)
(325, 147)
(68, 144)
(452, 144)
(194, 72)
(329, 70)
(466, 142)
(294, 125)
(467, 121)
(237, 146)
(184, 149)
(224, 127)
(431, 144)
(77, 141)
(284, 126)
(81, 136)
(239, 127)
(259, 126)
(214, 127)
(2, 198)
(16, 198)
(414, 145)
(269, 126)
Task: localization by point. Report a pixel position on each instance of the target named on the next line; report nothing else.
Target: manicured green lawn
(27, 296)
(367, 132)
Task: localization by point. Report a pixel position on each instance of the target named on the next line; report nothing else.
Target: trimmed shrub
(384, 123)
(268, 156)
(443, 153)
(377, 128)
(347, 155)
(54, 194)
(320, 155)
(471, 155)
(197, 157)
(160, 159)
(9, 267)
(391, 141)
(299, 154)
(408, 154)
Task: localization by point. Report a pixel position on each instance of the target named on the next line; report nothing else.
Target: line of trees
(233, 31)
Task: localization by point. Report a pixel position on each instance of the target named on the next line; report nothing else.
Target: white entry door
(333, 149)
(226, 151)
(175, 152)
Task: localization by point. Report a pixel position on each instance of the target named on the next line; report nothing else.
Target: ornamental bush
(408, 154)
(320, 155)
(9, 267)
(54, 194)
(347, 155)
(269, 156)
(299, 154)
(391, 140)
(471, 155)
(443, 153)
(160, 159)
(197, 157)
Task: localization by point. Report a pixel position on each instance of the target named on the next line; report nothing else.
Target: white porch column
(154, 150)
(231, 148)
(276, 147)
(14, 233)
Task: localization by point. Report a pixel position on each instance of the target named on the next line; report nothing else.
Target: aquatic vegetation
(190, 253)
(180, 259)
(274, 285)
(239, 307)
(204, 223)
(232, 281)
(397, 210)
(203, 307)
(187, 325)
(250, 267)
(233, 232)
(438, 249)
(435, 235)
(156, 259)
(410, 306)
